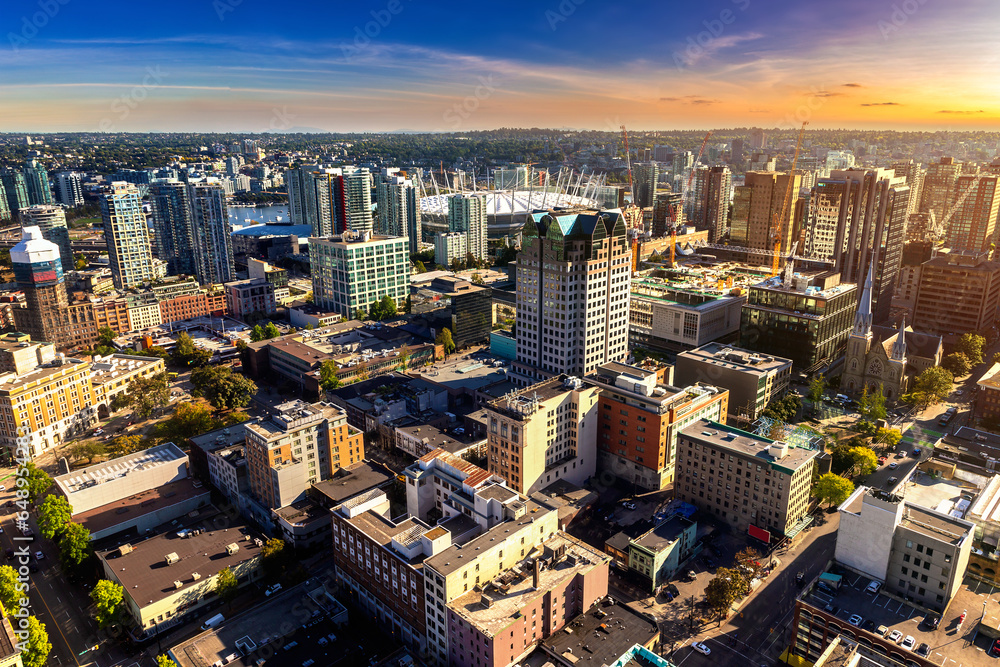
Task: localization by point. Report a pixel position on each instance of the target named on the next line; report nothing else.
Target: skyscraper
(37, 180)
(4, 207)
(211, 232)
(173, 241)
(302, 197)
(467, 214)
(709, 198)
(69, 188)
(939, 187)
(758, 139)
(736, 151)
(52, 222)
(17, 191)
(859, 216)
(398, 214)
(39, 275)
(646, 175)
(757, 203)
(973, 224)
(572, 293)
(914, 176)
(357, 204)
(129, 249)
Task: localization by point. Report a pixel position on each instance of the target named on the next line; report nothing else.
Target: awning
(799, 526)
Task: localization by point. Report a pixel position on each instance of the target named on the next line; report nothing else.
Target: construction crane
(687, 188)
(632, 212)
(778, 224)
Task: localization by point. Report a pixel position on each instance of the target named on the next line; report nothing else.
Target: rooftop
(383, 531)
(729, 356)
(492, 610)
(472, 475)
(117, 468)
(11, 382)
(145, 573)
(746, 444)
(355, 479)
(117, 365)
(467, 372)
(602, 633)
(989, 378)
(522, 403)
(664, 534)
(221, 438)
(302, 512)
(141, 504)
(927, 522)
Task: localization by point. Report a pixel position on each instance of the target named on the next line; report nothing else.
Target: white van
(213, 622)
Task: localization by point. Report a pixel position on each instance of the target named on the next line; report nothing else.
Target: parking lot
(948, 644)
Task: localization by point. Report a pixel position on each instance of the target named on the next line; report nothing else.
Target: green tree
(145, 394)
(271, 331)
(38, 481)
(785, 408)
(957, 363)
(863, 460)
(223, 388)
(189, 419)
(888, 437)
(37, 652)
(107, 597)
(420, 267)
(996, 357)
(444, 338)
(53, 515)
(226, 585)
(477, 279)
(164, 660)
(256, 334)
(872, 405)
(275, 556)
(74, 545)
(816, 388)
(833, 489)
(125, 444)
(328, 379)
(930, 387)
(722, 591)
(184, 349)
(81, 262)
(12, 591)
(106, 336)
(360, 315)
(971, 345)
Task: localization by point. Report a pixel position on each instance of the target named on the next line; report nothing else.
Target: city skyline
(391, 66)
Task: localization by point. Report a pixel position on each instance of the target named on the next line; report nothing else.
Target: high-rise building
(38, 273)
(37, 180)
(736, 151)
(52, 221)
(357, 206)
(647, 174)
(938, 189)
(914, 176)
(758, 139)
(857, 216)
(398, 212)
(572, 292)
(172, 237)
(4, 206)
(665, 204)
(973, 224)
(302, 198)
(757, 205)
(69, 188)
(328, 201)
(16, 188)
(709, 200)
(350, 271)
(683, 163)
(212, 234)
(467, 215)
(450, 247)
(129, 250)
(958, 292)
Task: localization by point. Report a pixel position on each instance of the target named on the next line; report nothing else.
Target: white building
(351, 270)
(130, 252)
(467, 214)
(449, 247)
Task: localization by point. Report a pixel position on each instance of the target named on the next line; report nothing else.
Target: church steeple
(863, 318)
(899, 345)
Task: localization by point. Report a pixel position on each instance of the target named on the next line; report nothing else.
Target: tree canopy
(74, 545)
(971, 345)
(382, 309)
(38, 481)
(328, 378)
(785, 408)
(145, 394)
(931, 387)
(444, 338)
(226, 585)
(187, 354)
(10, 589)
(39, 646)
(833, 489)
(107, 597)
(53, 515)
(223, 388)
(957, 363)
(872, 405)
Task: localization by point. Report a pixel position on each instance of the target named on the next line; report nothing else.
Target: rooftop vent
(178, 584)
(172, 558)
(232, 548)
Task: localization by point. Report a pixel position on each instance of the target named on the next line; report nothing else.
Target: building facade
(351, 271)
(38, 272)
(757, 204)
(667, 318)
(129, 250)
(52, 221)
(467, 215)
(958, 292)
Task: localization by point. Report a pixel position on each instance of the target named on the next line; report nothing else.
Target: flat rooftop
(939, 494)
(728, 356)
(144, 571)
(11, 381)
(221, 438)
(925, 521)
(661, 536)
(355, 479)
(119, 364)
(740, 442)
(141, 504)
(303, 512)
(948, 645)
(504, 605)
(382, 531)
(602, 633)
(116, 468)
(470, 373)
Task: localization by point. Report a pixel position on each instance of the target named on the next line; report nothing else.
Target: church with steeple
(885, 356)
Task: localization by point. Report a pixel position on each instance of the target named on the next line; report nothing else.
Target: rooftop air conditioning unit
(178, 584)
(172, 558)
(232, 548)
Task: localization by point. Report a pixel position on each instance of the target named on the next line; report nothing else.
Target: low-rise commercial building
(756, 485)
(664, 317)
(657, 555)
(169, 578)
(456, 304)
(251, 299)
(613, 635)
(111, 376)
(752, 379)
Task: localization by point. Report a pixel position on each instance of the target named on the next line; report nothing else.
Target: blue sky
(247, 66)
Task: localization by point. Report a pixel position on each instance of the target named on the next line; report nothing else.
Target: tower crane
(779, 220)
(632, 212)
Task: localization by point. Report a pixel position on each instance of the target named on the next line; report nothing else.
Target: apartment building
(639, 419)
(756, 485)
(352, 270)
(300, 444)
(752, 379)
(111, 376)
(440, 484)
(918, 553)
(250, 297)
(543, 433)
(958, 292)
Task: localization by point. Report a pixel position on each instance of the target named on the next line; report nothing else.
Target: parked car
(893, 465)
(916, 452)
(800, 577)
(39, 555)
(868, 625)
(701, 648)
(882, 460)
(893, 480)
(895, 636)
(995, 649)
(874, 587)
(924, 649)
(855, 620)
(908, 642)
(931, 621)
(629, 505)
